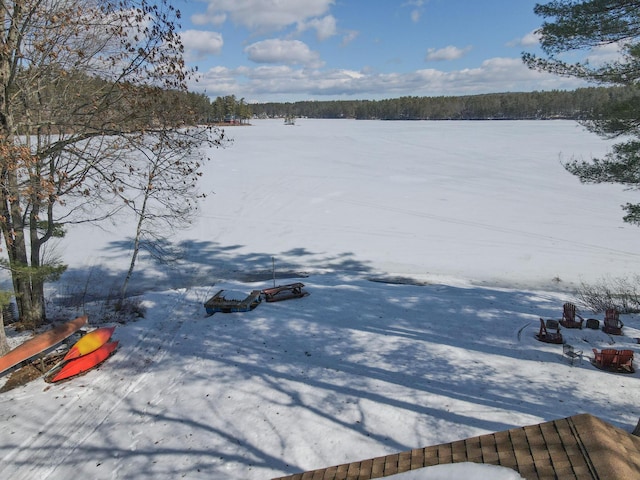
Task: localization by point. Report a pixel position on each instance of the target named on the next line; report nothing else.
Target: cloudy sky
(291, 50)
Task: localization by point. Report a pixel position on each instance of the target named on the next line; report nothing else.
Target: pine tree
(577, 27)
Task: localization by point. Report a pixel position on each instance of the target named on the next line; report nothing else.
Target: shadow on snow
(437, 356)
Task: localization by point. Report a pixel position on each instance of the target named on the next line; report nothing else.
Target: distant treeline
(578, 104)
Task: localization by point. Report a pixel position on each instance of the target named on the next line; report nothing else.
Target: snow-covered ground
(479, 216)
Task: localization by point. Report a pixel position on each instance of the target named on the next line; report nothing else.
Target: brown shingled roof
(581, 447)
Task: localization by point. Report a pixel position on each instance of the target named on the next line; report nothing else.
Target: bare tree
(161, 189)
(77, 78)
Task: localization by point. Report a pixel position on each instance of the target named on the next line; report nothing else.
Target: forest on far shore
(580, 104)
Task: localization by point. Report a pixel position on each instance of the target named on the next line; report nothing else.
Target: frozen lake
(357, 369)
(487, 202)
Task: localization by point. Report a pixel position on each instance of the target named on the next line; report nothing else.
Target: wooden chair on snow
(549, 337)
(612, 323)
(571, 353)
(624, 361)
(605, 359)
(614, 360)
(569, 316)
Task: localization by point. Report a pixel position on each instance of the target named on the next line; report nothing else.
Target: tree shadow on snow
(192, 263)
(440, 359)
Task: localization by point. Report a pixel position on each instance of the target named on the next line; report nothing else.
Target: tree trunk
(4, 346)
(12, 222)
(132, 264)
(136, 247)
(37, 277)
(12, 229)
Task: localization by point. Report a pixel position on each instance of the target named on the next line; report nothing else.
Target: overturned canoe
(41, 343)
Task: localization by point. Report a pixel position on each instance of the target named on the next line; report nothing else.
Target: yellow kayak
(89, 343)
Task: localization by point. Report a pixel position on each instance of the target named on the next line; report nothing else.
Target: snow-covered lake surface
(479, 216)
(482, 201)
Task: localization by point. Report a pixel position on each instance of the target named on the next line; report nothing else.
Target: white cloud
(206, 18)
(604, 54)
(416, 12)
(447, 53)
(218, 81)
(531, 39)
(506, 75)
(287, 83)
(349, 37)
(265, 15)
(199, 43)
(325, 27)
(290, 52)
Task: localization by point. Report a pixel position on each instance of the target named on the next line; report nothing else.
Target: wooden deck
(581, 447)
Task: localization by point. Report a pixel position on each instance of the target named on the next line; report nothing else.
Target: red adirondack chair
(625, 360)
(606, 358)
(569, 316)
(612, 323)
(549, 337)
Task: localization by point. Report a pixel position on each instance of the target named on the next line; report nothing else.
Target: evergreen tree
(573, 26)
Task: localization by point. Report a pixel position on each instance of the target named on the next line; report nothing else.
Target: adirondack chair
(569, 316)
(612, 323)
(571, 353)
(625, 360)
(549, 337)
(605, 359)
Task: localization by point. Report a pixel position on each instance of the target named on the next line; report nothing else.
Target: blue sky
(291, 50)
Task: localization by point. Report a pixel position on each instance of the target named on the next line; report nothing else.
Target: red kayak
(85, 362)
(40, 343)
(89, 343)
